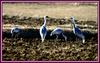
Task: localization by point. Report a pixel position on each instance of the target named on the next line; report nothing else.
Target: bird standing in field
(15, 31)
(57, 31)
(43, 31)
(76, 30)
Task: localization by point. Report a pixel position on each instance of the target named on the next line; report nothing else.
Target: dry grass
(81, 12)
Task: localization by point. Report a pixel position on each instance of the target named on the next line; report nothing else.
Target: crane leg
(56, 37)
(17, 36)
(64, 36)
(12, 36)
(83, 39)
(42, 38)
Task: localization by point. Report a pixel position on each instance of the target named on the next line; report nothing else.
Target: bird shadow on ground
(34, 34)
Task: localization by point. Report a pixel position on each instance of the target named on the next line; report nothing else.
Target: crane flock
(57, 31)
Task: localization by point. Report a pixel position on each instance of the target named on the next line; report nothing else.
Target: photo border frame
(52, 1)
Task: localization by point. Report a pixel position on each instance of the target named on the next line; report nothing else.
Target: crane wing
(44, 30)
(77, 31)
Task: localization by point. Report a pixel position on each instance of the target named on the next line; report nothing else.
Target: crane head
(72, 20)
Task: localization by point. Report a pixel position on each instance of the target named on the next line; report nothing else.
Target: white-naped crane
(57, 31)
(43, 30)
(15, 31)
(76, 30)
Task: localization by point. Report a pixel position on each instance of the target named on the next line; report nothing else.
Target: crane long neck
(73, 24)
(44, 21)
